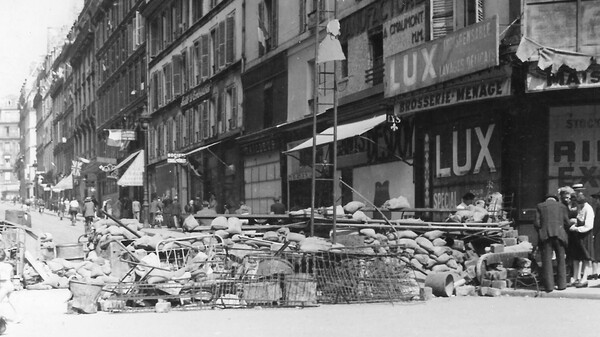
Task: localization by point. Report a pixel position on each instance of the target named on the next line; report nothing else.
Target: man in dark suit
(552, 217)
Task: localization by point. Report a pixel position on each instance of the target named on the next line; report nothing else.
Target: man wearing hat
(551, 221)
(89, 212)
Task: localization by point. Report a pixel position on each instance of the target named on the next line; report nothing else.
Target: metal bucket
(70, 251)
(85, 296)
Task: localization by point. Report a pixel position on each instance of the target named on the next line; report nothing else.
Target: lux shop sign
(465, 51)
(483, 137)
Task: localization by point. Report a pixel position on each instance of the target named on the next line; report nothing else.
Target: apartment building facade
(195, 51)
(10, 137)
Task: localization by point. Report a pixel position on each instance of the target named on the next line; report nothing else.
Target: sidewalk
(592, 292)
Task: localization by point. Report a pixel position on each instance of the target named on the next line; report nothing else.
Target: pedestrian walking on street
(176, 211)
(126, 211)
(73, 210)
(153, 210)
(89, 213)
(551, 220)
(168, 212)
(136, 207)
(583, 250)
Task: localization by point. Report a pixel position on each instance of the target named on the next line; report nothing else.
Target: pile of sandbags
(59, 271)
(431, 251)
(111, 231)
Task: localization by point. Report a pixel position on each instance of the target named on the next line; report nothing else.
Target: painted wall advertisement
(464, 157)
(463, 52)
(478, 88)
(564, 78)
(574, 147)
(407, 30)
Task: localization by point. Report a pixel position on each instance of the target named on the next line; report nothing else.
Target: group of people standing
(568, 229)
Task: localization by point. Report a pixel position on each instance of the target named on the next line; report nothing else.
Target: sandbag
(434, 234)
(424, 243)
(360, 216)
(353, 206)
(234, 225)
(397, 203)
(409, 243)
(190, 223)
(314, 245)
(402, 234)
(438, 242)
(219, 222)
(271, 236)
(295, 237)
(368, 232)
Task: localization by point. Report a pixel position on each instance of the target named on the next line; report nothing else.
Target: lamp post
(145, 124)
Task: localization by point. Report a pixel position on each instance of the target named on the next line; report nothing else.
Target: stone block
(499, 284)
(486, 283)
(511, 233)
(483, 291)
(512, 273)
(494, 292)
(465, 291)
(497, 248)
(426, 293)
(523, 238)
(509, 241)
(459, 245)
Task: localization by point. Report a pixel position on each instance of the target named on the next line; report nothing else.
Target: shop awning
(65, 184)
(126, 160)
(343, 131)
(202, 148)
(134, 175)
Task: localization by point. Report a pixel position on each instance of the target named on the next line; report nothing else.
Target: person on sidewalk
(583, 249)
(136, 207)
(176, 211)
(551, 220)
(596, 234)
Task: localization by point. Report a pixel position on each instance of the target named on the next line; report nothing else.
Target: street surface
(44, 314)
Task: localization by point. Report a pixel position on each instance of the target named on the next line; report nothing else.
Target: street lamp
(144, 119)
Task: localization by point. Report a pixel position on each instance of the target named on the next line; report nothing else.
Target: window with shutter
(205, 56)
(221, 48)
(302, 16)
(161, 97)
(168, 82)
(185, 77)
(230, 38)
(220, 122)
(442, 18)
(197, 58)
(205, 120)
(274, 21)
(177, 75)
(233, 109)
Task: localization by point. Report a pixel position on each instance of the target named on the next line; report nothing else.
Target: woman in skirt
(583, 245)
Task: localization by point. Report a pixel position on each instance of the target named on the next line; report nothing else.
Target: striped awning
(65, 184)
(134, 175)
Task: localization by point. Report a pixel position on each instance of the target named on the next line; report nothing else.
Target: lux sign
(461, 170)
(465, 51)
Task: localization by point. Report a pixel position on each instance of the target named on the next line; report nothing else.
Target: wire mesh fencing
(242, 278)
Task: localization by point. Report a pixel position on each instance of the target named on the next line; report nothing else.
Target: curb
(554, 294)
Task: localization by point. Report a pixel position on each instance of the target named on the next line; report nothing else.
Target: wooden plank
(37, 265)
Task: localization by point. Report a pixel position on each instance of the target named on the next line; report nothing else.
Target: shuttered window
(205, 56)
(230, 38)
(221, 38)
(442, 18)
(177, 75)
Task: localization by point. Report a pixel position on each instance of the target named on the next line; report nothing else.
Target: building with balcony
(10, 137)
(195, 53)
(26, 162)
(119, 70)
